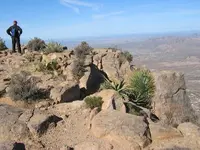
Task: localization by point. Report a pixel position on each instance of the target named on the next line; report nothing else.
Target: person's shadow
(18, 146)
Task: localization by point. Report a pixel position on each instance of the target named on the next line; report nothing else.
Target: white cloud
(100, 16)
(73, 4)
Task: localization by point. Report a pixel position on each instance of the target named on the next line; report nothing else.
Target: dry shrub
(79, 63)
(36, 44)
(2, 45)
(23, 86)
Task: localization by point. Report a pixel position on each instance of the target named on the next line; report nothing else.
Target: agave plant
(141, 88)
(118, 86)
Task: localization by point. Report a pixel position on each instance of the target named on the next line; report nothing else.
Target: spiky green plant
(2, 45)
(118, 86)
(53, 47)
(141, 88)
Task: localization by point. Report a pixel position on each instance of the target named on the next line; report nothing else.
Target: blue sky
(51, 19)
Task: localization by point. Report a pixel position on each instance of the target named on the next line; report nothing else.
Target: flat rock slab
(10, 126)
(124, 129)
(40, 122)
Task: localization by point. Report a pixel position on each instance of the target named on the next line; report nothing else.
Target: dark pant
(16, 40)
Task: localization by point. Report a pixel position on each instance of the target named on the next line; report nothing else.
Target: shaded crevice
(32, 114)
(179, 89)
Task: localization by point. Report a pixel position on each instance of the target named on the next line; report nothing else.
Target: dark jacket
(17, 29)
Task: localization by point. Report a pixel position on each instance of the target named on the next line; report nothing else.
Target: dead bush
(23, 87)
(36, 44)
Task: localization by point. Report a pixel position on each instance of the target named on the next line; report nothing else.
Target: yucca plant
(118, 86)
(141, 88)
(53, 47)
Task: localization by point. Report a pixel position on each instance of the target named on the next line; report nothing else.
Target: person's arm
(8, 31)
(20, 30)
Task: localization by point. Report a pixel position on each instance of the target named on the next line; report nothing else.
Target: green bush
(53, 47)
(36, 44)
(141, 88)
(93, 102)
(24, 87)
(2, 44)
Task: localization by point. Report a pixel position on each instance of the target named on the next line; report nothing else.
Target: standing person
(15, 31)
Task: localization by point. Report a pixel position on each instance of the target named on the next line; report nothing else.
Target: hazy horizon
(58, 19)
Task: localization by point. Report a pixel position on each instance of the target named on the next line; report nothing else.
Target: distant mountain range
(138, 43)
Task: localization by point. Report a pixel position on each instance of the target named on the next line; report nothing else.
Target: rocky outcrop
(109, 62)
(65, 92)
(20, 125)
(93, 146)
(11, 128)
(92, 79)
(39, 123)
(186, 136)
(190, 131)
(160, 132)
(111, 100)
(125, 130)
(171, 103)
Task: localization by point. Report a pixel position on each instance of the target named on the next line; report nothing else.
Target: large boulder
(40, 121)
(171, 103)
(92, 79)
(11, 128)
(3, 87)
(160, 132)
(111, 100)
(65, 92)
(190, 131)
(65, 108)
(111, 64)
(125, 130)
(93, 146)
(175, 144)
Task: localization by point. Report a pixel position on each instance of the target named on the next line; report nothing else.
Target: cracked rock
(11, 128)
(171, 102)
(39, 123)
(125, 130)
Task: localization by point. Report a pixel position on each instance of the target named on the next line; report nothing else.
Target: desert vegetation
(137, 91)
(53, 47)
(36, 44)
(81, 51)
(93, 102)
(2, 44)
(59, 86)
(23, 87)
